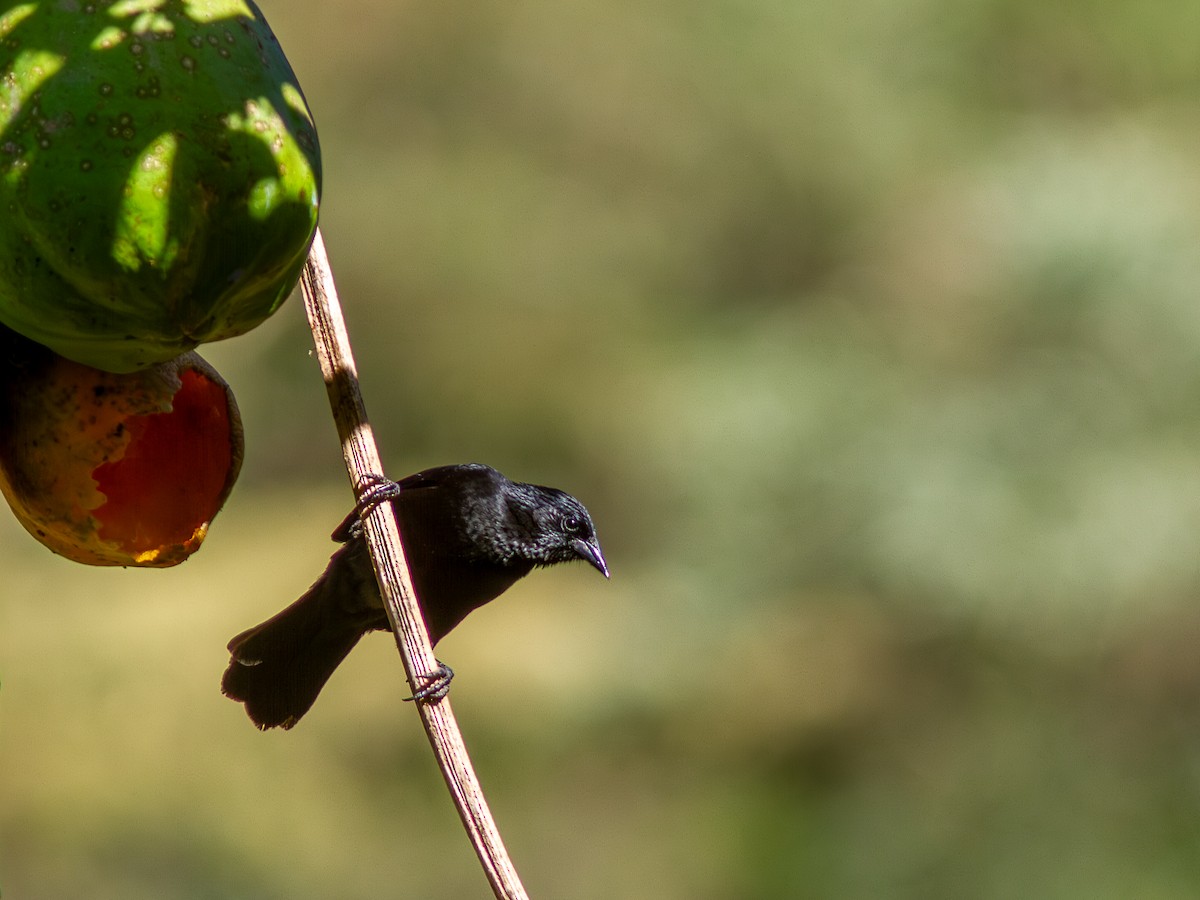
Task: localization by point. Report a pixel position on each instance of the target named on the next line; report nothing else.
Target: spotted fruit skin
(159, 175)
(116, 469)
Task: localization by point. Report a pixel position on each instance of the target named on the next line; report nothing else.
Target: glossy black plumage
(469, 534)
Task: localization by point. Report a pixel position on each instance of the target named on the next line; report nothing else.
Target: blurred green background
(867, 332)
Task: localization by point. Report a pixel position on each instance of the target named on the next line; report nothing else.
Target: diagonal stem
(383, 539)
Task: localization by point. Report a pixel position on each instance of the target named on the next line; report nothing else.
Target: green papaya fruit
(159, 175)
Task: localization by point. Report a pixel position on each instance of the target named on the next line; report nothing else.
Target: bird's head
(553, 527)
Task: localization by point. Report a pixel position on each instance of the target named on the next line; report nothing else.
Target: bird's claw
(373, 490)
(436, 684)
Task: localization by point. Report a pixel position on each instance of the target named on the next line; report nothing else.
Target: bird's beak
(591, 552)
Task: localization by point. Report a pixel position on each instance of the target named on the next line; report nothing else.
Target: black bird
(469, 533)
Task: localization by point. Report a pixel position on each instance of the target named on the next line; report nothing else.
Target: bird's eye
(572, 524)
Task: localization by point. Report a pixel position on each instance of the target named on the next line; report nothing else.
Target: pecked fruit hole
(168, 486)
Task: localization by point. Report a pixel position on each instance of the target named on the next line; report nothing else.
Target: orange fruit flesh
(170, 482)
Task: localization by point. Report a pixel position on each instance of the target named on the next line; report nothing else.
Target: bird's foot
(436, 684)
(373, 490)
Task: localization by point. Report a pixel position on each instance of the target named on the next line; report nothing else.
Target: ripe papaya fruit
(115, 469)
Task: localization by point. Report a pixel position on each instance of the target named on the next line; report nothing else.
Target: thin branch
(383, 540)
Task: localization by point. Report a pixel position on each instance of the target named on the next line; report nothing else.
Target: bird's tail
(278, 668)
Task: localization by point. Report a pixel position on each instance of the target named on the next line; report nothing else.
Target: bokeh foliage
(868, 334)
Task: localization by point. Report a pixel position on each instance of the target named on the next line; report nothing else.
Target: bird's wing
(415, 487)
